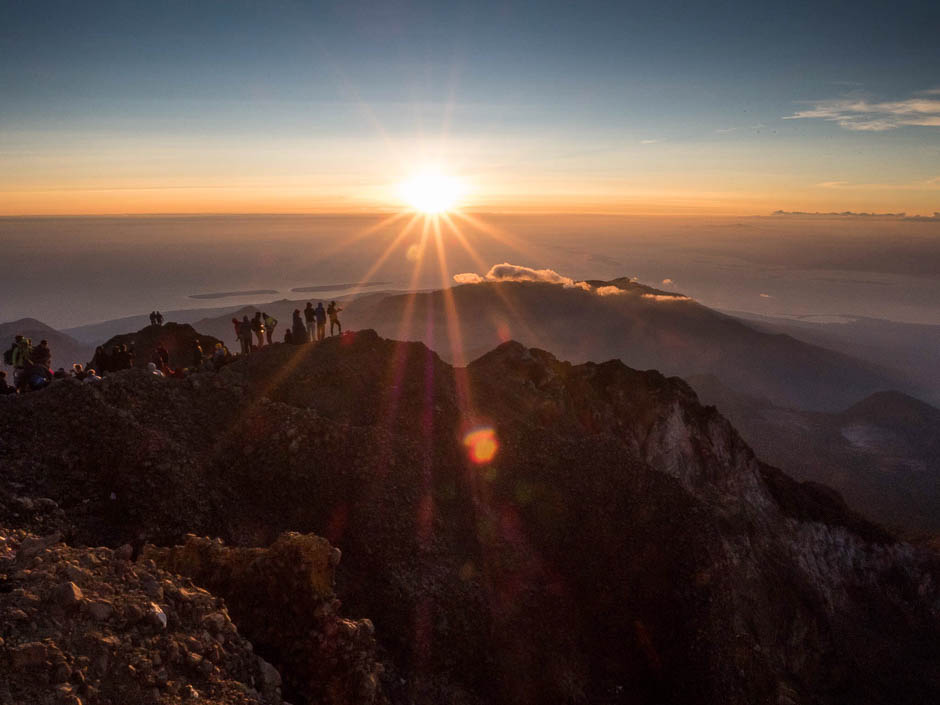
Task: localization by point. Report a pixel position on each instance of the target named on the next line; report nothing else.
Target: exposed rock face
(83, 625)
(623, 545)
(282, 598)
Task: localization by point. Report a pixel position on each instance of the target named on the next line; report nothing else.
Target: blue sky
(610, 98)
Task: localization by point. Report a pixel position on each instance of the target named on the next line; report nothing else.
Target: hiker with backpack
(270, 323)
(332, 311)
(321, 320)
(19, 357)
(257, 327)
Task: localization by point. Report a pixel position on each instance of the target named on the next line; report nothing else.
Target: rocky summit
(521, 530)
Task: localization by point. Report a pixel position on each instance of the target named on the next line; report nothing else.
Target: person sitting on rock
(99, 360)
(220, 356)
(154, 370)
(288, 337)
(333, 312)
(5, 388)
(42, 355)
(78, 372)
(270, 323)
(60, 374)
(92, 376)
(36, 377)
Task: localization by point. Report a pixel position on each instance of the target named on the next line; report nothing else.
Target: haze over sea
(68, 271)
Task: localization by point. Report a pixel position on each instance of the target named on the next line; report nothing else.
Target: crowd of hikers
(306, 327)
(32, 363)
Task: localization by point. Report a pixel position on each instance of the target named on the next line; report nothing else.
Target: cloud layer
(507, 272)
(514, 272)
(862, 114)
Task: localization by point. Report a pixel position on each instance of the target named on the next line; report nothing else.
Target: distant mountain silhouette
(882, 453)
(65, 349)
(642, 326)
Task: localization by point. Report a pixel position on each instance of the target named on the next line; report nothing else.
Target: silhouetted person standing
(159, 318)
(244, 335)
(333, 312)
(321, 320)
(309, 319)
(299, 332)
(257, 326)
(153, 318)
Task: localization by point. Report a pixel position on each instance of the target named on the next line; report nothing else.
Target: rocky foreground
(623, 545)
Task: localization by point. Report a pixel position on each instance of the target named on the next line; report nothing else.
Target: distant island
(336, 287)
(226, 294)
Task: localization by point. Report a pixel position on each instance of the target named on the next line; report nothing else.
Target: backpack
(8, 355)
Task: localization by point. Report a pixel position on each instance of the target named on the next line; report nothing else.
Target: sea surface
(70, 271)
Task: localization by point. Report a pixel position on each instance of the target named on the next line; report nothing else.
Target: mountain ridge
(622, 545)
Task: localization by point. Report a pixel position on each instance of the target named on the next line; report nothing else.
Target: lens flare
(482, 445)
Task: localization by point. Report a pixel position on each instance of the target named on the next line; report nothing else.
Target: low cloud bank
(514, 272)
(507, 272)
(666, 297)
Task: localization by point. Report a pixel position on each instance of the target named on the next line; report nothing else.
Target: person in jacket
(321, 321)
(310, 318)
(198, 357)
(22, 349)
(244, 335)
(42, 355)
(333, 312)
(270, 323)
(299, 332)
(5, 388)
(257, 327)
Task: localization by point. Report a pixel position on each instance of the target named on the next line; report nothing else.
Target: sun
(431, 191)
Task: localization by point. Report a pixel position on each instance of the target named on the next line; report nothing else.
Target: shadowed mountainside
(882, 454)
(622, 546)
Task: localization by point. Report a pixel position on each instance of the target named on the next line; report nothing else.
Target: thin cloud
(666, 297)
(650, 141)
(766, 296)
(864, 115)
(667, 280)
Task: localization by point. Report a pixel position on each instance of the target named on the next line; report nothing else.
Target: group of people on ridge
(307, 327)
(31, 364)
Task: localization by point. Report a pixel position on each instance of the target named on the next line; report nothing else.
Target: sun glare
(431, 191)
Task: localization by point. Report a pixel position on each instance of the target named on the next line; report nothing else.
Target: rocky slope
(523, 530)
(882, 454)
